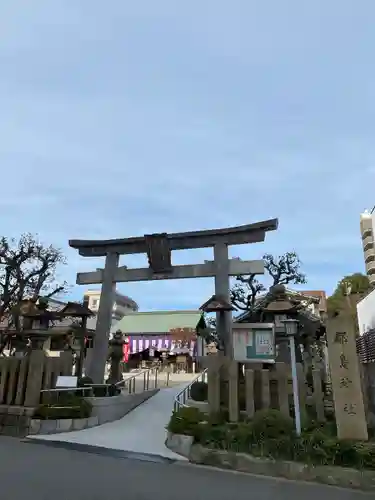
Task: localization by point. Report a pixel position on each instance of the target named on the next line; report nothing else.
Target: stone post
(38, 341)
(233, 402)
(103, 325)
(345, 378)
(116, 355)
(213, 364)
(223, 319)
(34, 377)
(21, 346)
(66, 358)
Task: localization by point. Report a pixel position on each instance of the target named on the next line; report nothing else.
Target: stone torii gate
(158, 248)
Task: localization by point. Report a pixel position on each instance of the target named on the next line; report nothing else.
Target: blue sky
(124, 118)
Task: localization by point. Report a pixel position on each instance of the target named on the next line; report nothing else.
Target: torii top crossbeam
(250, 233)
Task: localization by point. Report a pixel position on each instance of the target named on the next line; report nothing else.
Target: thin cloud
(168, 117)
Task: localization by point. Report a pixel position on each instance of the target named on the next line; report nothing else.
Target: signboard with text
(254, 342)
(66, 381)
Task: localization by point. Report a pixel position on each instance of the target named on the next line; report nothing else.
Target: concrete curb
(44, 427)
(180, 444)
(324, 474)
(104, 410)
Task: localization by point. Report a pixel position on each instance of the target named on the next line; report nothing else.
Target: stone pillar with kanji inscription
(345, 378)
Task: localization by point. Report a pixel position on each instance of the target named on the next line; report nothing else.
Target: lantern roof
(217, 303)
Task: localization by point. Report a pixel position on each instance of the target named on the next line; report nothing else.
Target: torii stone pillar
(158, 248)
(222, 289)
(104, 320)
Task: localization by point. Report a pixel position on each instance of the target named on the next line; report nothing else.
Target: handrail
(129, 382)
(184, 395)
(124, 380)
(67, 389)
(58, 390)
(87, 390)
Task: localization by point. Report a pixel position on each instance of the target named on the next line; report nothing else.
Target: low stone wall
(335, 476)
(202, 406)
(180, 444)
(18, 421)
(113, 408)
(62, 425)
(104, 410)
(15, 420)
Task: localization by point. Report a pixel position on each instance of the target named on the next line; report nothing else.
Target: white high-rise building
(367, 234)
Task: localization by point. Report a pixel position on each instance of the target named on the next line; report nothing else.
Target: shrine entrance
(158, 248)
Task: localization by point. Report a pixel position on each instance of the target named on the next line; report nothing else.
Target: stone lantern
(35, 320)
(82, 312)
(282, 306)
(115, 356)
(221, 307)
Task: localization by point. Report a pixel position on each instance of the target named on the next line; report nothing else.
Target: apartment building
(319, 308)
(122, 304)
(367, 234)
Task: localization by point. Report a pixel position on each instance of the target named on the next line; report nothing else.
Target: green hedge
(68, 406)
(271, 434)
(199, 391)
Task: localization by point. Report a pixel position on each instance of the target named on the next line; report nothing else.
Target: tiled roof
(265, 298)
(157, 322)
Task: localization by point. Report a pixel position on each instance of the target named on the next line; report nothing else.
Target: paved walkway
(141, 431)
(161, 380)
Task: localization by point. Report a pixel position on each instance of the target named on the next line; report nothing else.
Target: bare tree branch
(27, 270)
(243, 296)
(283, 270)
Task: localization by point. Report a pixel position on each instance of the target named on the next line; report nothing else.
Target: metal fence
(366, 347)
(366, 354)
(145, 380)
(183, 396)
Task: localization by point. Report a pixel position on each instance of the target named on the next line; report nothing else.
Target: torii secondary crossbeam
(158, 248)
(206, 270)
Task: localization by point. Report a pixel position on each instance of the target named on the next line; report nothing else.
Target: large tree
(27, 270)
(283, 270)
(356, 284)
(348, 292)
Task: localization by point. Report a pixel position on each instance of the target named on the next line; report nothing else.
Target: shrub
(68, 406)
(365, 453)
(213, 436)
(186, 421)
(239, 437)
(83, 381)
(218, 418)
(271, 424)
(199, 391)
(271, 434)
